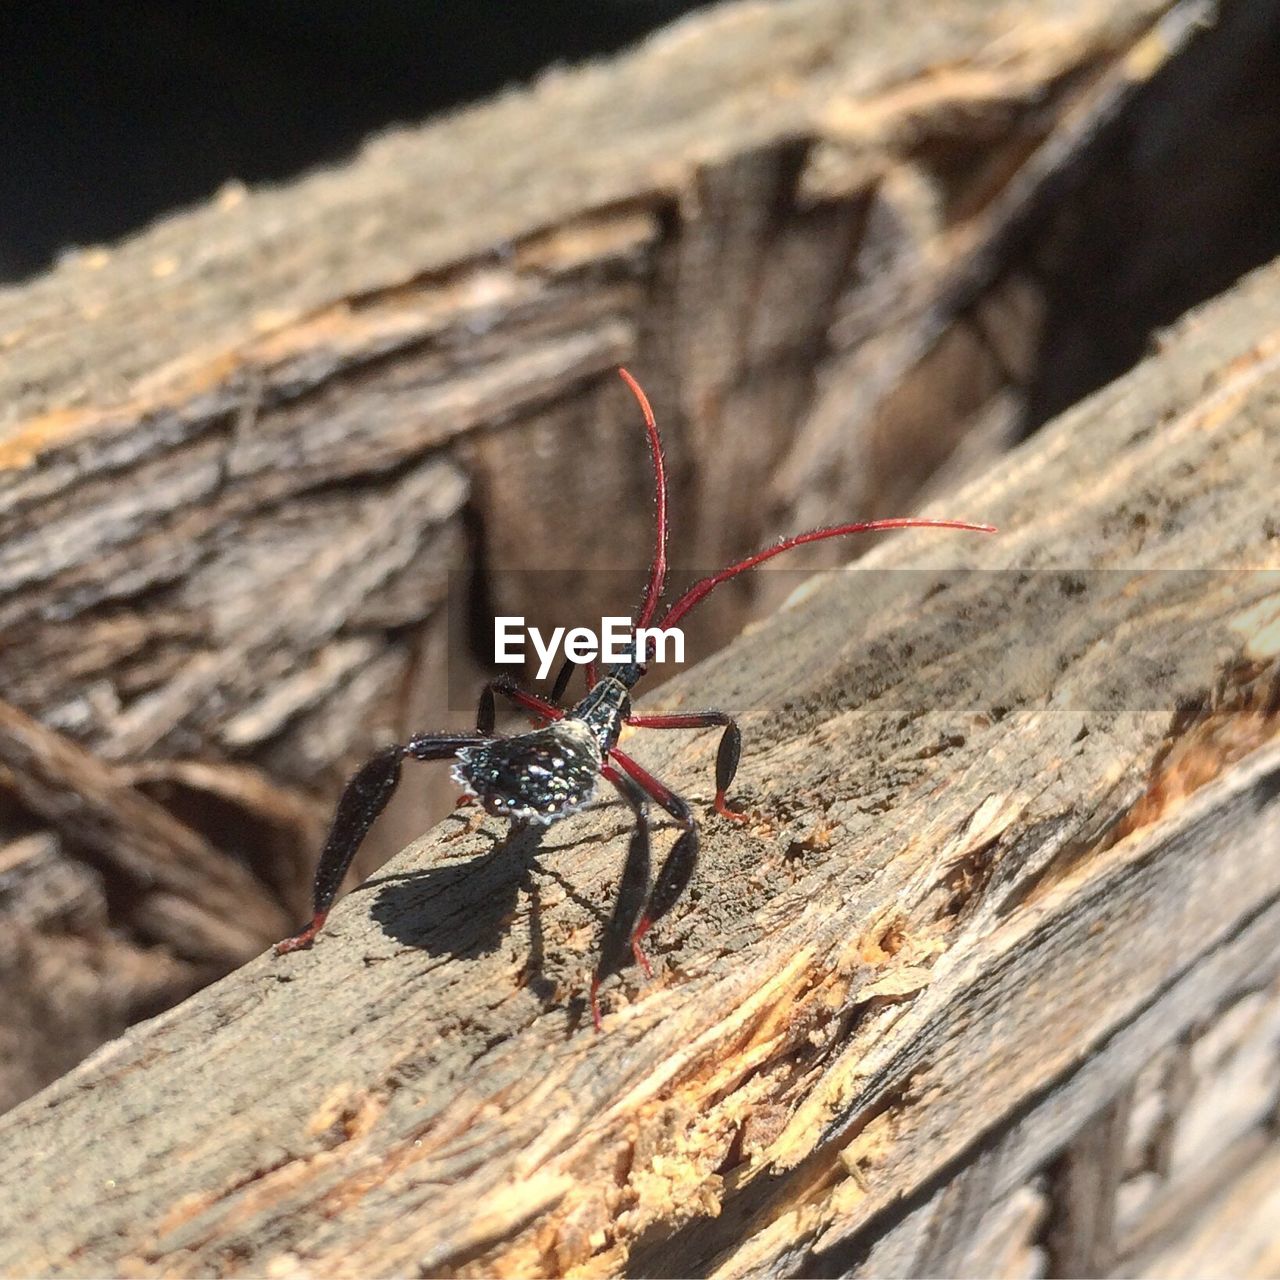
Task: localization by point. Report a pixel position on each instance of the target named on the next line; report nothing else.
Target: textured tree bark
(1010, 876)
(244, 452)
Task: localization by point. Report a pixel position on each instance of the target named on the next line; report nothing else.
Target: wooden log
(242, 452)
(1014, 806)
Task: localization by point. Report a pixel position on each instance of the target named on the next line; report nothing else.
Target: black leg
(486, 713)
(677, 870)
(563, 676)
(631, 892)
(726, 757)
(364, 798)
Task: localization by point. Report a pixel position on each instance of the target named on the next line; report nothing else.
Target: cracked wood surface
(242, 452)
(1015, 811)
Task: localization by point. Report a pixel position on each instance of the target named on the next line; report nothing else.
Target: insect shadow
(463, 908)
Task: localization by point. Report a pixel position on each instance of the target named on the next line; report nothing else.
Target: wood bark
(246, 453)
(1010, 876)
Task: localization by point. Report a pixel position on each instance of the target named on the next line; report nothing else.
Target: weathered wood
(242, 451)
(601, 138)
(947, 1229)
(1013, 838)
(191, 897)
(1199, 1165)
(1081, 1240)
(1229, 1229)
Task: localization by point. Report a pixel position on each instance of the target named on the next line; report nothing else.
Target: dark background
(116, 111)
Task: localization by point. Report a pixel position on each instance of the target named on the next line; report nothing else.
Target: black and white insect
(554, 770)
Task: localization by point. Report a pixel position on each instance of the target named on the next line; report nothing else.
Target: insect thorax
(603, 710)
(536, 777)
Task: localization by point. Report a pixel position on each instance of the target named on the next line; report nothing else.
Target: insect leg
(365, 797)
(565, 674)
(486, 713)
(726, 757)
(678, 868)
(631, 891)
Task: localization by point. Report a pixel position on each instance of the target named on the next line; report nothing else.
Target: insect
(554, 770)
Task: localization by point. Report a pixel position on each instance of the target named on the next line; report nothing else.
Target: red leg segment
(301, 941)
(660, 792)
(487, 713)
(726, 757)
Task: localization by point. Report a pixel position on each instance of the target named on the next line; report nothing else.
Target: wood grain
(1014, 802)
(260, 463)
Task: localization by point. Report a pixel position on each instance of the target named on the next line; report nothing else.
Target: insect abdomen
(536, 777)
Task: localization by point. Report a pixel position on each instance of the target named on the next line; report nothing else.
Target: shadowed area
(116, 114)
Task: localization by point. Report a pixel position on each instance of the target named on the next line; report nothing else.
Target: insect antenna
(705, 586)
(658, 566)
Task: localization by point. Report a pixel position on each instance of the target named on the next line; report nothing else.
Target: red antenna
(703, 588)
(658, 567)
(700, 590)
